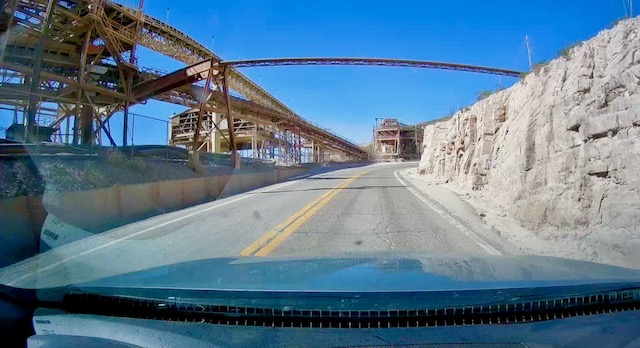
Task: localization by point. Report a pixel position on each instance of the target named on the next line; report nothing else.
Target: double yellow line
(270, 240)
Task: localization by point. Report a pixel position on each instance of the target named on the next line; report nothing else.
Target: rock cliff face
(560, 148)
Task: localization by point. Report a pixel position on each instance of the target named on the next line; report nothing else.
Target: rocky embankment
(559, 150)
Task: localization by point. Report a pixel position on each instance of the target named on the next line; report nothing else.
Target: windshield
(340, 145)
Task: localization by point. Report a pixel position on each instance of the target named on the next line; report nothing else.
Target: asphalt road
(364, 209)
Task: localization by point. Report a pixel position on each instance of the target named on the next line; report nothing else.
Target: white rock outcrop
(560, 148)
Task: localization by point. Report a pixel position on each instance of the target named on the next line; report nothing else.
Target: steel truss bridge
(71, 65)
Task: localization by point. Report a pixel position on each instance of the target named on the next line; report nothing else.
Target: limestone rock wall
(559, 148)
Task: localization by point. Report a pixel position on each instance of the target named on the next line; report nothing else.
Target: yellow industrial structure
(67, 66)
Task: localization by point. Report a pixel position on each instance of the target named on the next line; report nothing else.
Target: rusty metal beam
(163, 38)
(185, 76)
(232, 138)
(86, 124)
(194, 157)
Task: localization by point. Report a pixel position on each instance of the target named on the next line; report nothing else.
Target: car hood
(374, 272)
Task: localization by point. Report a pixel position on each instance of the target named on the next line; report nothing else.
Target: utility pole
(526, 39)
(630, 8)
(375, 137)
(167, 21)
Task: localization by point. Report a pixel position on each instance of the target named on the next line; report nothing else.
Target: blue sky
(348, 99)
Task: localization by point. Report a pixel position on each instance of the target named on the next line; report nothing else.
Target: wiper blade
(172, 309)
(18, 296)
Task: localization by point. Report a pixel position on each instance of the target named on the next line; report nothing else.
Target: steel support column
(32, 108)
(95, 134)
(7, 34)
(194, 156)
(81, 80)
(254, 142)
(129, 87)
(232, 138)
(125, 116)
(86, 125)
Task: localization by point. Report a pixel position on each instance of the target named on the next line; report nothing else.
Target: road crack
(392, 245)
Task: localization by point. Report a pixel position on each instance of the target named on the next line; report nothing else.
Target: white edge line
(245, 195)
(488, 248)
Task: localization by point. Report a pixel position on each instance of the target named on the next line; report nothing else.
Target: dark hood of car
(379, 272)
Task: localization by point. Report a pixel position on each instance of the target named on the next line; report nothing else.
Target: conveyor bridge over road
(70, 65)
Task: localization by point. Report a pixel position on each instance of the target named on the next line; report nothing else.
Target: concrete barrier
(212, 184)
(165, 193)
(253, 181)
(271, 178)
(232, 186)
(223, 180)
(22, 218)
(87, 210)
(194, 191)
(135, 201)
(284, 174)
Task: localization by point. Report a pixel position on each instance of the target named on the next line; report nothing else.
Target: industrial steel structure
(70, 65)
(252, 139)
(405, 63)
(67, 66)
(393, 141)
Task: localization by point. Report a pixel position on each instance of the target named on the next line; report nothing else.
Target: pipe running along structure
(405, 63)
